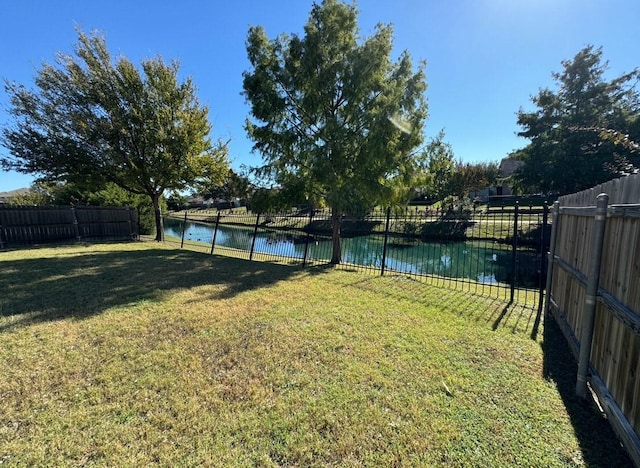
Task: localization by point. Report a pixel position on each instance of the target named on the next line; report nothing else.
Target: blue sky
(485, 58)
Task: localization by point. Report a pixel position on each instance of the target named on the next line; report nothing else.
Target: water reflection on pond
(483, 261)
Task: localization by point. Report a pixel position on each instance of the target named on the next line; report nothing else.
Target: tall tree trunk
(336, 255)
(155, 198)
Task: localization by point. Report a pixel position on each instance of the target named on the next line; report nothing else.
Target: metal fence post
(255, 233)
(543, 262)
(386, 239)
(593, 280)
(184, 228)
(215, 233)
(514, 253)
(306, 245)
(543, 238)
(555, 222)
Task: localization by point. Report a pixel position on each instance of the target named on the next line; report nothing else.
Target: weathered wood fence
(593, 291)
(20, 225)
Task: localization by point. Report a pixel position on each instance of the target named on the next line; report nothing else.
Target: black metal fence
(496, 252)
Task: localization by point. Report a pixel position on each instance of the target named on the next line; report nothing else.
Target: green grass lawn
(137, 354)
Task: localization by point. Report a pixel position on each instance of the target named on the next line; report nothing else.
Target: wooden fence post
(386, 239)
(215, 233)
(76, 228)
(555, 220)
(132, 233)
(593, 280)
(3, 232)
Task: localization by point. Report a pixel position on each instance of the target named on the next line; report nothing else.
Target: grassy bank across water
(493, 225)
(132, 354)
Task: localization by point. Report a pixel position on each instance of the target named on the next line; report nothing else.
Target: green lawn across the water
(137, 353)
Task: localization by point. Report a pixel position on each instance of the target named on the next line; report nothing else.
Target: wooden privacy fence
(593, 291)
(21, 225)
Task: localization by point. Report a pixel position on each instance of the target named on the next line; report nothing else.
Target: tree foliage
(578, 132)
(37, 195)
(228, 186)
(472, 177)
(440, 167)
(94, 120)
(272, 200)
(445, 177)
(333, 115)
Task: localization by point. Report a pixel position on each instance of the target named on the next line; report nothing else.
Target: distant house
(223, 204)
(484, 194)
(507, 167)
(197, 201)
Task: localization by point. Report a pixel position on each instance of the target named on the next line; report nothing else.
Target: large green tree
(333, 114)
(92, 118)
(570, 130)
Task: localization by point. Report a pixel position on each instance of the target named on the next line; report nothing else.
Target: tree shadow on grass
(497, 313)
(599, 444)
(83, 285)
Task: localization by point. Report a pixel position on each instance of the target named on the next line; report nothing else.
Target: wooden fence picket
(20, 225)
(614, 347)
